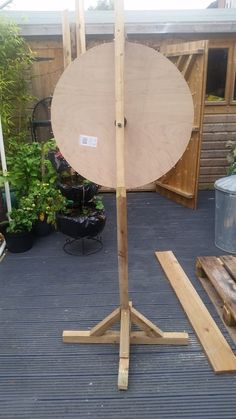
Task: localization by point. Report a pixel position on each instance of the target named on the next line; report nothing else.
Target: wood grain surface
(214, 344)
(158, 109)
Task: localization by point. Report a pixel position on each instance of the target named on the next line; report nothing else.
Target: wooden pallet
(221, 273)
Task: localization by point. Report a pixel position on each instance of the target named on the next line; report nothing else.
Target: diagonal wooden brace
(145, 324)
(106, 323)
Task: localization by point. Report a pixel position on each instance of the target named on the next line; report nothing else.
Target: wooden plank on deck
(214, 344)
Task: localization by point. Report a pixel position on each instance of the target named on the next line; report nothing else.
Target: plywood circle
(158, 109)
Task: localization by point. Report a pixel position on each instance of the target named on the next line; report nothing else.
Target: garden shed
(205, 52)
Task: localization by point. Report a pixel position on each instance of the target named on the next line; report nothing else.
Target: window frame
(230, 45)
(233, 65)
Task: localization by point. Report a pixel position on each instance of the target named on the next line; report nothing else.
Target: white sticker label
(88, 141)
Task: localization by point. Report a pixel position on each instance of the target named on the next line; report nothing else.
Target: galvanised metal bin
(225, 214)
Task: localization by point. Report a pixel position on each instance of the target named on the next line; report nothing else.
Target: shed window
(216, 74)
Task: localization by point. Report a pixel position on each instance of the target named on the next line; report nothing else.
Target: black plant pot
(42, 228)
(79, 226)
(78, 193)
(19, 242)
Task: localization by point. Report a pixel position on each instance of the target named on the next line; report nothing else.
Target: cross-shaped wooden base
(149, 334)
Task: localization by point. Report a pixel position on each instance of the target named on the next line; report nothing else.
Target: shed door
(181, 182)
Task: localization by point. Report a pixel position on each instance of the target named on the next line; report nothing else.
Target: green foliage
(24, 165)
(2, 180)
(103, 5)
(46, 201)
(15, 62)
(231, 157)
(98, 202)
(22, 218)
(28, 163)
(34, 179)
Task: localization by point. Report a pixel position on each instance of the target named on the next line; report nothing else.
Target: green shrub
(23, 217)
(27, 164)
(15, 63)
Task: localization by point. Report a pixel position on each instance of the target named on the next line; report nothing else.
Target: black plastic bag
(80, 225)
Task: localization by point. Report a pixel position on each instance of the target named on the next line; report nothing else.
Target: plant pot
(78, 193)
(79, 226)
(19, 242)
(42, 228)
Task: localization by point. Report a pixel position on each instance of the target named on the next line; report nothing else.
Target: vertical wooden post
(150, 334)
(66, 38)
(80, 27)
(120, 152)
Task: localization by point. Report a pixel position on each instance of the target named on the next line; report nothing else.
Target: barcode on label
(88, 141)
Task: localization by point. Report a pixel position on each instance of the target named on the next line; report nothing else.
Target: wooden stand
(126, 314)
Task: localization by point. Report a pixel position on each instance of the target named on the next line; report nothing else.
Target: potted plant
(31, 174)
(80, 221)
(48, 201)
(28, 163)
(18, 231)
(77, 189)
(85, 215)
(71, 184)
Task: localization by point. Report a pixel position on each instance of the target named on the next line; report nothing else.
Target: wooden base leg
(136, 338)
(125, 327)
(149, 334)
(123, 376)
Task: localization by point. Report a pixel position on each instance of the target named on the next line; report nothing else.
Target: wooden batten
(121, 207)
(66, 38)
(80, 27)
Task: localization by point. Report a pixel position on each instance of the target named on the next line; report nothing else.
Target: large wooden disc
(158, 109)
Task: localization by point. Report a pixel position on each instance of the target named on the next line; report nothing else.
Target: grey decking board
(45, 290)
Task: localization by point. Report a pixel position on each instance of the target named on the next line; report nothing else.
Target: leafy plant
(231, 157)
(15, 63)
(24, 165)
(22, 218)
(2, 180)
(34, 179)
(98, 202)
(28, 163)
(47, 201)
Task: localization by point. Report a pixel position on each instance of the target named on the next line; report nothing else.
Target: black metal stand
(83, 246)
